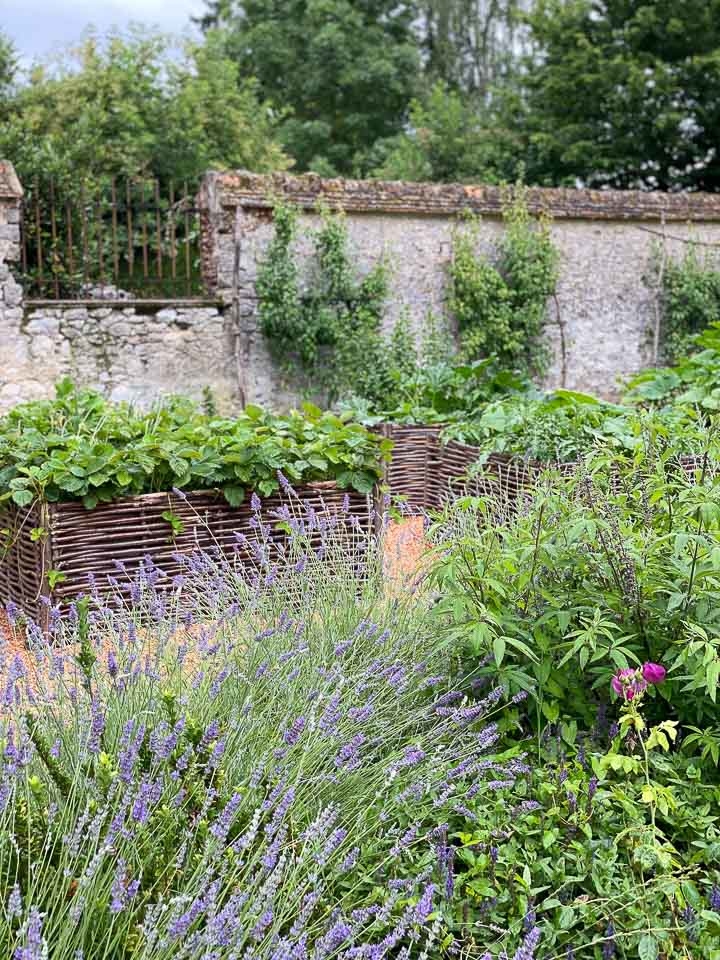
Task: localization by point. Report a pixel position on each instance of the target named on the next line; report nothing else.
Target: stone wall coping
(258, 191)
(10, 188)
(177, 304)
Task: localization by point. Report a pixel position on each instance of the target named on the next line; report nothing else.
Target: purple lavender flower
(97, 726)
(592, 788)
(221, 827)
(689, 918)
(122, 890)
(714, 898)
(285, 484)
(15, 907)
(13, 613)
(261, 926)
(424, 906)
(526, 950)
(334, 841)
(331, 715)
(294, 732)
(342, 648)
(349, 754)
(146, 798)
(34, 948)
(130, 750)
(608, 947)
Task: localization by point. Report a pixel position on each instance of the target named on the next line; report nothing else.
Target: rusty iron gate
(114, 239)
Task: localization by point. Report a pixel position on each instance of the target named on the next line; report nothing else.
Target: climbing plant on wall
(500, 304)
(689, 300)
(328, 335)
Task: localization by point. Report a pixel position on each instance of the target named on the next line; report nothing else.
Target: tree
(8, 66)
(625, 93)
(345, 69)
(471, 44)
(128, 105)
(451, 138)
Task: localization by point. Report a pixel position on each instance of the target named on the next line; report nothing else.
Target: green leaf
(499, 649)
(54, 577)
(23, 498)
(175, 522)
(648, 948)
(234, 495)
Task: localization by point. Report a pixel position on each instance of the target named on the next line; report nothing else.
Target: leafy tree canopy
(346, 70)
(450, 138)
(625, 93)
(8, 65)
(133, 104)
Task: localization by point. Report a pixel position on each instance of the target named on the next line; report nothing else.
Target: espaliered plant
(329, 334)
(689, 291)
(79, 446)
(501, 307)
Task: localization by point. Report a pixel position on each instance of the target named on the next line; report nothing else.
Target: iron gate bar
(72, 240)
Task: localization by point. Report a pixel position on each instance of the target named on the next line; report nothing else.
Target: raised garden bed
(427, 473)
(413, 471)
(55, 550)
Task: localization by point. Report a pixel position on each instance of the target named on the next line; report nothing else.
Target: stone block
(44, 324)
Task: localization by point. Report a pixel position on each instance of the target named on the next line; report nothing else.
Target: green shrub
(693, 381)
(613, 566)
(575, 850)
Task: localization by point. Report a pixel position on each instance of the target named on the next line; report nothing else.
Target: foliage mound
(80, 446)
(693, 381)
(441, 391)
(610, 567)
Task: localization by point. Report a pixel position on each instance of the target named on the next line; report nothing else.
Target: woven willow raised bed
(83, 544)
(427, 473)
(413, 471)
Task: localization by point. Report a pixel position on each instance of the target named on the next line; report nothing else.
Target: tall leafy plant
(500, 306)
(327, 332)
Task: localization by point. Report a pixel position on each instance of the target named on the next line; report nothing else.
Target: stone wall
(142, 349)
(131, 349)
(605, 239)
(11, 310)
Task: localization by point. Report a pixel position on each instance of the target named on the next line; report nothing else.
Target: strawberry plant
(80, 446)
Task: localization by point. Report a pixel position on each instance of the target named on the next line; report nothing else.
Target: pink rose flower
(654, 672)
(626, 683)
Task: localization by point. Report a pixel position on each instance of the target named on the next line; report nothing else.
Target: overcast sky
(39, 27)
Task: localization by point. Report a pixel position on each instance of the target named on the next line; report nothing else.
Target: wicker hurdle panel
(414, 469)
(88, 543)
(504, 477)
(23, 556)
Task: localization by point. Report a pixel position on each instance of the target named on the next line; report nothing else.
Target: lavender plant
(226, 766)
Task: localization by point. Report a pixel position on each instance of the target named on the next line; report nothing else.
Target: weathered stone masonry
(140, 349)
(605, 240)
(131, 349)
